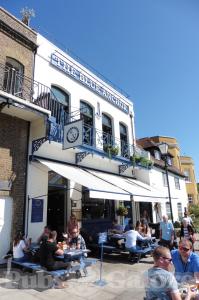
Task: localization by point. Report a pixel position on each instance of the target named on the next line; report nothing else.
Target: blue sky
(149, 48)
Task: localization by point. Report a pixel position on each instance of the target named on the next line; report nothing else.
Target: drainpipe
(131, 115)
(26, 181)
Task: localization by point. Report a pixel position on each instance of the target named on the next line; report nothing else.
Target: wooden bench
(62, 274)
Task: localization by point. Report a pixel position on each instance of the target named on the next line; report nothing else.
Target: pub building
(81, 157)
(68, 144)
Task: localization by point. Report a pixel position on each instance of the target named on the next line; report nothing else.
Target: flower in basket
(122, 211)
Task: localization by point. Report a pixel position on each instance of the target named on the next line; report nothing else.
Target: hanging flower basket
(122, 211)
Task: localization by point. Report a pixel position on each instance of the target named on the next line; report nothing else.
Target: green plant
(141, 161)
(176, 224)
(122, 211)
(111, 150)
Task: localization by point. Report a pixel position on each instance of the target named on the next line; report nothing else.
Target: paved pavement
(124, 281)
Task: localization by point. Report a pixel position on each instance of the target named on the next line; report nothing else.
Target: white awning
(98, 188)
(140, 191)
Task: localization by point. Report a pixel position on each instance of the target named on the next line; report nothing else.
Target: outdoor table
(73, 254)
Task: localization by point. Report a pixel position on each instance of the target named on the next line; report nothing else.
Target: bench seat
(140, 252)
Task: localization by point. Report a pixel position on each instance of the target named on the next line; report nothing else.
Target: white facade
(154, 178)
(55, 68)
(121, 112)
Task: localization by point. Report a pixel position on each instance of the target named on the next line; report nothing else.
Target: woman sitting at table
(138, 227)
(20, 248)
(76, 241)
(145, 229)
(48, 251)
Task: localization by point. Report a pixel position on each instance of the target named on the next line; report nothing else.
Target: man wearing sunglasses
(186, 262)
(159, 282)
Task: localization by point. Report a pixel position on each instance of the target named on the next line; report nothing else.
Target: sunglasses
(184, 249)
(167, 258)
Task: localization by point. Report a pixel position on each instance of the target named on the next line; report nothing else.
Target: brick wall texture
(13, 160)
(18, 42)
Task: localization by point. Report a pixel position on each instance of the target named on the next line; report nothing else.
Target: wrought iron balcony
(16, 84)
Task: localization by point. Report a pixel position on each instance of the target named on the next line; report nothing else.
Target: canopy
(98, 188)
(140, 191)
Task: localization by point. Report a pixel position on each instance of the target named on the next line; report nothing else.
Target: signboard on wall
(73, 134)
(91, 83)
(37, 210)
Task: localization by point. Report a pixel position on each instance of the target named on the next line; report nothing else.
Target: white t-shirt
(18, 249)
(131, 238)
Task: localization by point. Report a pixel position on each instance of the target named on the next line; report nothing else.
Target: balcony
(31, 91)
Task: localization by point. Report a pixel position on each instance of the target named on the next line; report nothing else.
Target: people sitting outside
(138, 227)
(44, 235)
(20, 248)
(76, 241)
(131, 238)
(72, 224)
(127, 227)
(166, 233)
(187, 231)
(116, 227)
(48, 251)
(145, 229)
(159, 281)
(185, 261)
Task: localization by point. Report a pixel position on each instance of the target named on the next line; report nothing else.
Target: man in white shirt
(131, 237)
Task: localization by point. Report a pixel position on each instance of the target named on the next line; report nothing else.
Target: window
(168, 210)
(164, 178)
(177, 183)
(59, 105)
(157, 154)
(100, 209)
(187, 175)
(123, 141)
(179, 206)
(86, 113)
(169, 160)
(13, 77)
(190, 198)
(107, 130)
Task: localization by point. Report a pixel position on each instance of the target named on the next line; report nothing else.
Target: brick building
(18, 47)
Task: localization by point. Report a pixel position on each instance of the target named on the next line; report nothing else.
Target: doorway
(57, 203)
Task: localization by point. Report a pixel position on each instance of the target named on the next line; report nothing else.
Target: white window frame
(177, 183)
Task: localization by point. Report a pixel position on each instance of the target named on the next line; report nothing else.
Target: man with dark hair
(48, 251)
(131, 238)
(44, 235)
(159, 282)
(185, 261)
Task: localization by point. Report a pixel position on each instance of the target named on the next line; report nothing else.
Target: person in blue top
(186, 262)
(166, 233)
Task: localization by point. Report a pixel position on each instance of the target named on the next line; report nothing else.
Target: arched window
(107, 130)
(13, 78)
(59, 105)
(124, 141)
(86, 113)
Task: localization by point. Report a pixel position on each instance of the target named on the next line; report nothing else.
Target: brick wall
(13, 160)
(17, 25)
